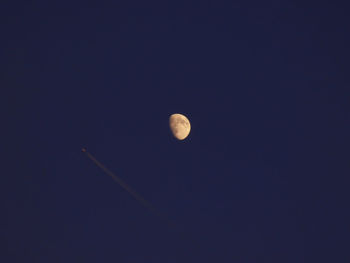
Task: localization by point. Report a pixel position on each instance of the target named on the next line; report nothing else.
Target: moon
(180, 126)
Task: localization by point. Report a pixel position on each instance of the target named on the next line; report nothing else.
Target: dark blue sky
(263, 176)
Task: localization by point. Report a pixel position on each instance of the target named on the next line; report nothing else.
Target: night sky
(263, 175)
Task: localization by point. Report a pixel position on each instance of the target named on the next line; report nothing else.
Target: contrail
(182, 234)
(132, 192)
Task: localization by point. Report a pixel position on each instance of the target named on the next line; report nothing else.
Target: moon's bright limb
(180, 126)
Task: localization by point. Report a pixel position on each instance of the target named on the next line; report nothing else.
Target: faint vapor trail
(132, 192)
(193, 243)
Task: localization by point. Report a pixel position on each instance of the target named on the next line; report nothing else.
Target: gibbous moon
(180, 126)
